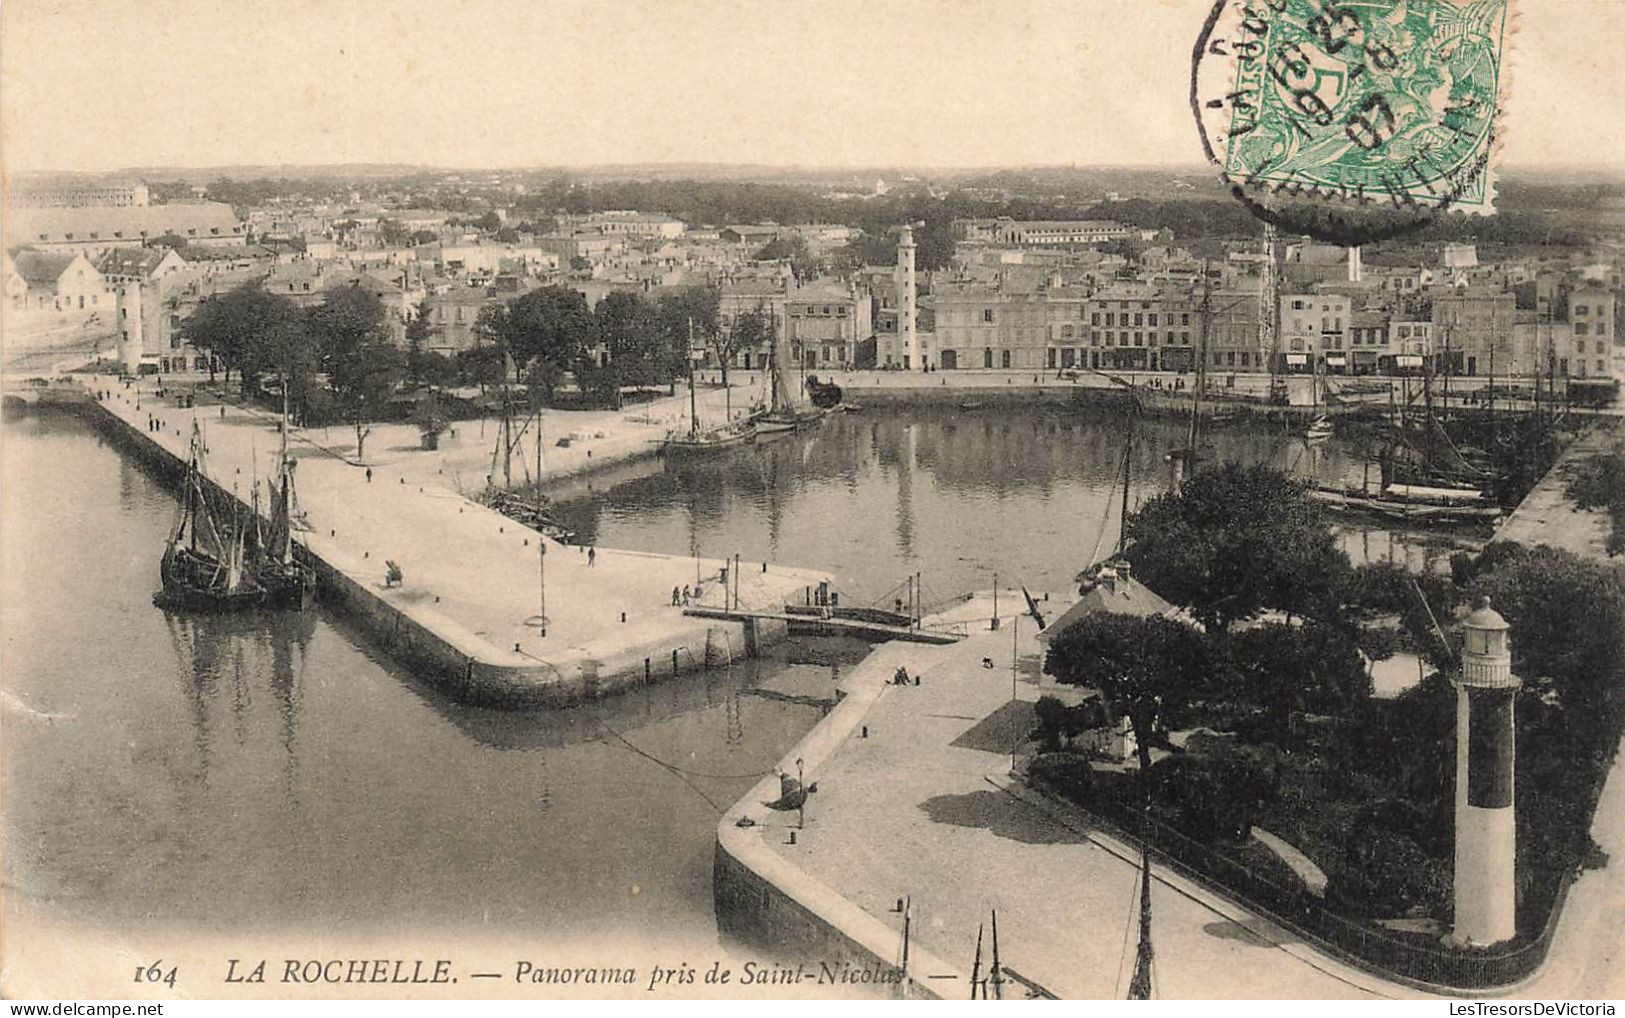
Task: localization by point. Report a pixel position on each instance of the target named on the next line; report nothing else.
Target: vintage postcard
(946, 499)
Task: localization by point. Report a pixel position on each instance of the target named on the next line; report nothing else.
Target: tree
(251, 331)
(1235, 540)
(362, 366)
(425, 237)
(418, 332)
(1146, 667)
(1567, 619)
(547, 331)
(626, 334)
(489, 222)
(783, 248)
(506, 235)
(393, 232)
(1284, 670)
(694, 312)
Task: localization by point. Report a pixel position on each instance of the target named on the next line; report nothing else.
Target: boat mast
(1201, 368)
(693, 410)
(1128, 468)
(1269, 326)
(1139, 987)
(976, 965)
(996, 973)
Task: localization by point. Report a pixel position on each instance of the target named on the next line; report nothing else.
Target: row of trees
(341, 361)
(336, 358)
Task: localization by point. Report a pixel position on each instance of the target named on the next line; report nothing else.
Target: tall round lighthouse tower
(907, 306)
(1486, 831)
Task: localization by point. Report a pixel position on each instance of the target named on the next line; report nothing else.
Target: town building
(823, 324)
(79, 196)
(1595, 350)
(53, 281)
(94, 230)
(1312, 324)
(1468, 324)
(1043, 233)
(138, 264)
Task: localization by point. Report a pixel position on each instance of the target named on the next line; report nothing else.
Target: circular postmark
(1351, 121)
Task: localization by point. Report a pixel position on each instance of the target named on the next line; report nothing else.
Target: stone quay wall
(440, 650)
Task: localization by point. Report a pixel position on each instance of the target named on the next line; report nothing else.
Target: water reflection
(1029, 494)
(278, 770)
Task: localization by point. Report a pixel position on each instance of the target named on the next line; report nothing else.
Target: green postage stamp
(1357, 103)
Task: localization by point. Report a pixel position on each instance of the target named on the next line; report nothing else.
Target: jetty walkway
(474, 580)
(913, 801)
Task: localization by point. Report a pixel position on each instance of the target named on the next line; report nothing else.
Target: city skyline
(915, 84)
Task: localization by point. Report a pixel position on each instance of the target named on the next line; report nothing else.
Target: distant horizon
(383, 167)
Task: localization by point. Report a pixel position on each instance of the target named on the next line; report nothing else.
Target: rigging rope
(683, 771)
(1105, 517)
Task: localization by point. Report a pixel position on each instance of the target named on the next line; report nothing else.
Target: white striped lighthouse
(1486, 828)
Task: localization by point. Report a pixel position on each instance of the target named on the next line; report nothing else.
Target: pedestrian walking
(369, 475)
(685, 597)
(676, 597)
(592, 555)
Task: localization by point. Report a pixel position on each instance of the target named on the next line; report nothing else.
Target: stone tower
(907, 308)
(1486, 831)
(127, 308)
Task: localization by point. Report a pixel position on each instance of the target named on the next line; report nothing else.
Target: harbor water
(274, 771)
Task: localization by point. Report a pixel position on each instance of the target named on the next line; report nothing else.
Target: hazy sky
(100, 84)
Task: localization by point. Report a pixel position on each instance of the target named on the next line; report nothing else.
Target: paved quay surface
(472, 576)
(910, 811)
(1548, 516)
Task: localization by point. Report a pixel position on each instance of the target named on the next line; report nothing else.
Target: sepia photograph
(812, 500)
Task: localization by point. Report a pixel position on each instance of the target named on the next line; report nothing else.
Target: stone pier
(467, 614)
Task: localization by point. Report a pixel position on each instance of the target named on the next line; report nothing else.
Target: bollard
(764, 567)
(792, 837)
(516, 648)
(623, 616)
(865, 731)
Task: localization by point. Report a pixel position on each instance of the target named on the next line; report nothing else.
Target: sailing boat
(782, 413)
(288, 582)
(1184, 459)
(203, 567)
(1139, 985)
(726, 437)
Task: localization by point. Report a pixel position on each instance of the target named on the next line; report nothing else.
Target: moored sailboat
(204, 566)
(288, 582)
(783, 415)
(696, 440)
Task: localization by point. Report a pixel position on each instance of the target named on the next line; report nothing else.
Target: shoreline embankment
(469, 551)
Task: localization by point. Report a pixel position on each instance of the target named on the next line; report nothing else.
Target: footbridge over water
(861, 623)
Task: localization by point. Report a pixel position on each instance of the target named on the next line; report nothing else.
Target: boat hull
(697, 447)
(190, 584)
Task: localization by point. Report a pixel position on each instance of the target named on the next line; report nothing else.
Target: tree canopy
(547, 332)
(1235, 540)
(362, 365)
(1145, 667)
(252, 332)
